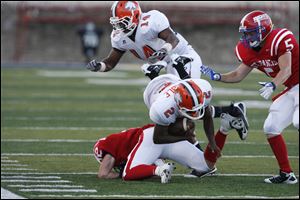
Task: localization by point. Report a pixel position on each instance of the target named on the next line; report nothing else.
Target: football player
(150, 38)
(132, 154)
(275, 52)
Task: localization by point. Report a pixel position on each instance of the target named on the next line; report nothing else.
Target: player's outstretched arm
(106, 166)
(234, 76)
(107, 63)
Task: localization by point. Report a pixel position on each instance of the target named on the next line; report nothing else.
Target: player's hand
(93, 66)
(210, 73)
(267, 90)
(157, 56)
(152, 70)
(216, 150)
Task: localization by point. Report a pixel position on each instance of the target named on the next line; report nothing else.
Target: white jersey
(159, 98)
(146, 38)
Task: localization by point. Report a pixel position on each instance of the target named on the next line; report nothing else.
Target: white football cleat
(165, 172)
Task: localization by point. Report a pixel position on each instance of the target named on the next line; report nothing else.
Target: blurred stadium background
(35, 33)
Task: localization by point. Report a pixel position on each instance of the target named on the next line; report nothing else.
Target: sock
(280, 151)
(140, 172)
(220, 141)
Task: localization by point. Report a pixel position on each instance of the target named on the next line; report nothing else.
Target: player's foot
(196, 174)
(240, 122)
(165, 172)
(283, 177)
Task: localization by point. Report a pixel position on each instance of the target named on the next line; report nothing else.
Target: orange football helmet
(255, 26)
(190, 100)
(125, 16)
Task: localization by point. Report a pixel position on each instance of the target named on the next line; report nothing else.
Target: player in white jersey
(150, 38)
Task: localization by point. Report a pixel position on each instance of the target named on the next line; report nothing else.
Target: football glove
(210, 73)
(267, 90)
(93, 66)
(157, 56)
(152, 70)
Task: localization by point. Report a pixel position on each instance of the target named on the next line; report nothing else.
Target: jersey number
(169, 112)
(288, 46)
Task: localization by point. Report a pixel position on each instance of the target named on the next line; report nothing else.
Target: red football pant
(139, 172)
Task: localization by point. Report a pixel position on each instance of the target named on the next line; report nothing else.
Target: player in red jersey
(275, 52)
(135, 155)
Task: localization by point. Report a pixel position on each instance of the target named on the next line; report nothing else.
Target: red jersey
(119, 145)
(278, 42)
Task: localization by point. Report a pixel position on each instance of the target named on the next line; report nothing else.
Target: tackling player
(275, 52)
(136, 156)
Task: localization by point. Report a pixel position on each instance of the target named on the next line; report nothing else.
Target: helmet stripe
(192, 92)
(114, 8)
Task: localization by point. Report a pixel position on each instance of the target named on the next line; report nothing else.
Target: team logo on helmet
(130, 6)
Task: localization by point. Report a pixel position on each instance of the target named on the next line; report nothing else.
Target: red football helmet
(125, 16)
(255, 26)
(190, 100)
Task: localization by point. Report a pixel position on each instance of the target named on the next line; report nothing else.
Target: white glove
(267, 90)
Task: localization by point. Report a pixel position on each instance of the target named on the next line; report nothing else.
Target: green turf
(47, 108)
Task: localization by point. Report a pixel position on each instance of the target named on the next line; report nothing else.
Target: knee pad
(271, 126)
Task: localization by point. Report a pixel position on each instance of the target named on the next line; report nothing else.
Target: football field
(51, 119)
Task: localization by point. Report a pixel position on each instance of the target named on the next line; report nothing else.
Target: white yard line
(30, 177)
(9, 161)
(75, 141)
(17, 169)
(5, 194)
(46, 186)
(34, 181)
(73, 118)
(95, 173)
(58, 190)
(167, 196)
(13, 165)
(79, 74)
(87, 154)
(66, 128)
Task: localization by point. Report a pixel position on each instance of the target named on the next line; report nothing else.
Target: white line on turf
(79, 74)
(18, 169)
(75, 141)
(5, 194)
(46, 186)
(95, 173)
(13, 165)
(9, 161)
(57, 190)
(168, 196)
(34, 181)
(73, 118)
(83, 154)
(30, 177)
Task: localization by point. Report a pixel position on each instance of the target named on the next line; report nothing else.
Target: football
(182, 126)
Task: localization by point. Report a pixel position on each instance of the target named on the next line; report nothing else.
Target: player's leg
(295, 95)
(280, 116)
(140, 163)
(239, 112)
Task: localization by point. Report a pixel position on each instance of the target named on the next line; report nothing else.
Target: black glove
(153, 70)
(93, 66)
(157, 56)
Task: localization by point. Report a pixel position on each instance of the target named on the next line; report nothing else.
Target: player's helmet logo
(125, 16)
(255, 27)
(190, 100)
